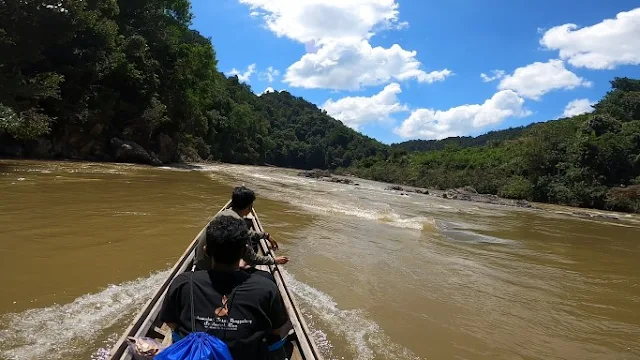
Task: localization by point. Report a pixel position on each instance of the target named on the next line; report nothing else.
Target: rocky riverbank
(324, 175)
(404, 190)
(88, 148)
(468, 193)
(465, 194)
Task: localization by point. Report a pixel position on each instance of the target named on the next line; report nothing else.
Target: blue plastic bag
(196, 346)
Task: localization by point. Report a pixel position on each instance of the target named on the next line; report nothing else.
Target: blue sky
(411, 69)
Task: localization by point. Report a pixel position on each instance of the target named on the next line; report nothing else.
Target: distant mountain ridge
(463, 141)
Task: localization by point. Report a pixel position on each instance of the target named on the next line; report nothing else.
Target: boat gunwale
(309, 344)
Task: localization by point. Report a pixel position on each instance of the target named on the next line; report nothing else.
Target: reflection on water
(379, 275)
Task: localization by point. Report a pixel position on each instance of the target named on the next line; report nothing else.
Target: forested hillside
(129, 81)
(590, 160)
(462, 141)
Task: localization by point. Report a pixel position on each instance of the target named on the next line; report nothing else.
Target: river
(379, 275)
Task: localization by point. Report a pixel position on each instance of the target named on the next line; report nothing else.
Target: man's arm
(172, 305)
(202, 260)
(256, 235)
(253, 258)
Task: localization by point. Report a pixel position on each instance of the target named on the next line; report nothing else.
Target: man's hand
(273, 242)
(244, 265)
(281, 260)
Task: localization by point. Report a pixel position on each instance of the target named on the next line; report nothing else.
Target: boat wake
(365, 338)
(71, 330)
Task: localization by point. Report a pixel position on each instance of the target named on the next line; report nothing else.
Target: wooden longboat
(299, 344)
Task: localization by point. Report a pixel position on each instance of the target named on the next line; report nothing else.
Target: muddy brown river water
(379, 275)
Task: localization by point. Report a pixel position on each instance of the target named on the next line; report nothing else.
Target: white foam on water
(104, 351)
(320, 203)
(364, 336)
(280, 178)
(135, 213)
(60, 331)
(388, 217)
(40, 171)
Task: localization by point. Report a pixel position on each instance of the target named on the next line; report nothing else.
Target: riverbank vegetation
(590, 160)
(116, 80)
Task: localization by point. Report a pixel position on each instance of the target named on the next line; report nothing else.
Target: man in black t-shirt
(239, 308)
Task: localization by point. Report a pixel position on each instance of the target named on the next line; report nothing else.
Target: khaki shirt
(204, 261)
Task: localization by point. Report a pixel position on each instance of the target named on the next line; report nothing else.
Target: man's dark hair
(227, 237)
(242, 198)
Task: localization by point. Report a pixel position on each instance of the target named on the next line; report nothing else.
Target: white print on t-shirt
(219, 323)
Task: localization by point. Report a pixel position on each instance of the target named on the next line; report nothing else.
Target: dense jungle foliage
(129, 81)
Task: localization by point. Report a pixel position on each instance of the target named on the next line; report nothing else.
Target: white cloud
(243, 76)
(270, 75)
(269, 89)
(336, 36)
(311, 47)
(497, 75)
(355, 111)
(534, 80)
(325, 21)
(350, 66)
(605, 45)
(577, 107)
(464, 119)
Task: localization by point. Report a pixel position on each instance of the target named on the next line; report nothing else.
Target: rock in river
(130, 152)
(315, 173)
(324, 175)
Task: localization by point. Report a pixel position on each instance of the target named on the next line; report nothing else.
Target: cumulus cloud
(355, 111)
(269, 75)
(578, 107)
(605, 45)
(536, 79)
(336, 36)
(497, 75)
(324, 21)
(351, 66)
(243, 76)
(461, 120)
